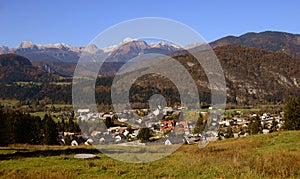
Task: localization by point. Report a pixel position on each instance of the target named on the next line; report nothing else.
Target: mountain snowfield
(62, 52)
(269, 40)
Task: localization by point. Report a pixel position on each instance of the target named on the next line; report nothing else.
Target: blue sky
(78, 22)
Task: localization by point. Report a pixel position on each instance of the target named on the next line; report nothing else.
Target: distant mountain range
(65, 53)
(269, 40)
(258, 67)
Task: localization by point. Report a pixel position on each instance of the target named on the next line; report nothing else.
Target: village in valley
(167, 126)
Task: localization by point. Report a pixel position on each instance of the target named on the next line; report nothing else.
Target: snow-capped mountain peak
(26, 44)
(125, 50)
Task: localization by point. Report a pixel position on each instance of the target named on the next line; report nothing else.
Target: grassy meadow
(275, 155)
(10, 103)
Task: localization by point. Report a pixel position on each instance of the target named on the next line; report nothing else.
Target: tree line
(21, 128)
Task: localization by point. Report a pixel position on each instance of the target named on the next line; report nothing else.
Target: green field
(8, 102)
(14, 103)
(59, 105)
(21, 83)
(61, 83)
(274, 155)
(229, 112)
(54, 115)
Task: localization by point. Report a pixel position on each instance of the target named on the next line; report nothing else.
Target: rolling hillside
(253, 76)
(269, 40)
(15, 68)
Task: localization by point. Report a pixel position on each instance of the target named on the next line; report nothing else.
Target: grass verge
(275, 155)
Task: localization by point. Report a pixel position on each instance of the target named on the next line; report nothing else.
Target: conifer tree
(50, 131)
(292, 114)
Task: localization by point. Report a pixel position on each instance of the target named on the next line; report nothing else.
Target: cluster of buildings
(165, 125)
(240, 123)
(162, 122)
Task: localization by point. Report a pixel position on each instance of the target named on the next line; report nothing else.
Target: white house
(168, 142)
(83, 111)
(118, 138)
(74, 143)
